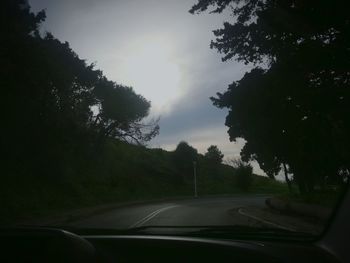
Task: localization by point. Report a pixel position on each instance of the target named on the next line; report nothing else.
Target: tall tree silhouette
(293, 107)
(184, 156)
(121, 111)
(214, 155)
(49, 94)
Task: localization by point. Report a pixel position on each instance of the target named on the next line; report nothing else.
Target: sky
(163, 52)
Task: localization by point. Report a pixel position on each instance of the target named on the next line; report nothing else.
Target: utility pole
(195, 178)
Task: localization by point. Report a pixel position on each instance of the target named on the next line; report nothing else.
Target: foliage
(184, 156)
(214, 155)
(244, 174)
(48, 96)
(122, 172)
(121, 112)
(294, 104)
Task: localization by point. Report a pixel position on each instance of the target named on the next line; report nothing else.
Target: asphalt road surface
(188, 212)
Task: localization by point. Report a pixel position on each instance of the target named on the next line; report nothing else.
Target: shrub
(244, 174)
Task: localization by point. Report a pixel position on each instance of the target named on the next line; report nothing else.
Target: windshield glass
(202, 117)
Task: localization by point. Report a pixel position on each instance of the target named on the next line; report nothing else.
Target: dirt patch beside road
(290, 207)
(273, 219)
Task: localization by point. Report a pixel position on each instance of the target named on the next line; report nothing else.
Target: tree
(214, 155)
(48, 96)
(184, 156)
(268, 162)
(300, 81)
(121, 111)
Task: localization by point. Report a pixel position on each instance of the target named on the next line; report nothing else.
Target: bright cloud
(150, 69)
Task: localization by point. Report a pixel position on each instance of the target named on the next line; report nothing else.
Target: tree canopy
(184, 156)
(293, 107)
(214, 155)
(56, 105)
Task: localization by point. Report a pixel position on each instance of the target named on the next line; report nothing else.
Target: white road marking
(151, 215)
(265, 221)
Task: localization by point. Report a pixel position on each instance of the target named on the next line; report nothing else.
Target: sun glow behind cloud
(150, 69)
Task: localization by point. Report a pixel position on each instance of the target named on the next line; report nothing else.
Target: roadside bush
(244, 175)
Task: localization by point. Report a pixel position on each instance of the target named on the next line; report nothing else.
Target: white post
(195, 178)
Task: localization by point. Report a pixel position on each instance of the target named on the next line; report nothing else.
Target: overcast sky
(162, 51)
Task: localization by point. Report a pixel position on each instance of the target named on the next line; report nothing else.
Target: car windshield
(190, 117)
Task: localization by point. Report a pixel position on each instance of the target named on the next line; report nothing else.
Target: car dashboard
(55, 245)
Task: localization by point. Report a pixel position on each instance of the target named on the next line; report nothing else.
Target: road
(189, 212)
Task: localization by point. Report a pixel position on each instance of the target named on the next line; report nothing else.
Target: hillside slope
(119, 172)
